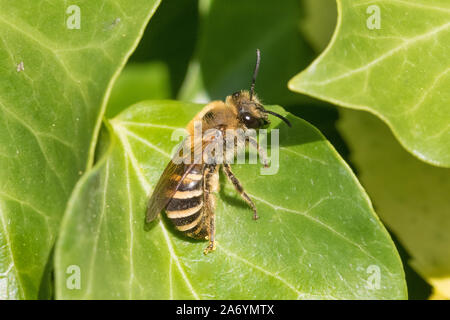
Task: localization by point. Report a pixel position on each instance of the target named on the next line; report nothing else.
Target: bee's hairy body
(186, 191)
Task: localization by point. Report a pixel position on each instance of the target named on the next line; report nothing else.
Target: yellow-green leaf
(398, 70)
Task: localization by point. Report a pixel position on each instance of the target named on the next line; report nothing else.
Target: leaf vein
(319, 222)
(384, 56)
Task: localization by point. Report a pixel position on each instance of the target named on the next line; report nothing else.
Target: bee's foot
(209, 248)
(255, 216)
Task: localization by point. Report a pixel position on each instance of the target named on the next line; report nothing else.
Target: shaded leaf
(170, 38)
(230, 35)
(411, 197)
(399, 72)
(138, 82)
(319, 22)
(53, 88)
(316, 237)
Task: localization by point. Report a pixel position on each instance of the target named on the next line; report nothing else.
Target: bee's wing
(168, 184)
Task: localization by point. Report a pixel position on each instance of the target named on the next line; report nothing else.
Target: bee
(186, 190)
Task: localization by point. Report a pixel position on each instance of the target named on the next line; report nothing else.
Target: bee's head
(251, 112)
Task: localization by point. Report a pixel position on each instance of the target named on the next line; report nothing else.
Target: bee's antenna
(278, 116)
(255, 73)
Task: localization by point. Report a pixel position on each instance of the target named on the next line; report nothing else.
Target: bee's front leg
(261, 151)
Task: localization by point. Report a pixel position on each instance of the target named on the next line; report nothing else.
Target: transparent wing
(168, 184)
(176, 171)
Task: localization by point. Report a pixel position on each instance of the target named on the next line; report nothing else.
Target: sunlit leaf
(317, 236)
(55, 79)
(399, 71)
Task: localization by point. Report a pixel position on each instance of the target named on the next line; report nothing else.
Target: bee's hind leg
(212, 233)
(237, 185)
(211, 182)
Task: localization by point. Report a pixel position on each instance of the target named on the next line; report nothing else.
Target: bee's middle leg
(237, 185)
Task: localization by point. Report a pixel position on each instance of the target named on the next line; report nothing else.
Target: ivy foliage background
(54, 86)
(63, 177)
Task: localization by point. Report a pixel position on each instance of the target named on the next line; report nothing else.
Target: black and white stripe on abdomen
(185, 209)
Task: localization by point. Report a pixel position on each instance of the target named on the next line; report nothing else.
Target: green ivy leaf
(317, 236)
(411, 197)
(54, 85)
(399, 72)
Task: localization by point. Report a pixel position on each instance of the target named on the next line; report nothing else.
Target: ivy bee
(186, 190)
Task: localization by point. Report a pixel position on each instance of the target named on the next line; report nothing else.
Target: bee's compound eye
(236, 94)
(250, 121)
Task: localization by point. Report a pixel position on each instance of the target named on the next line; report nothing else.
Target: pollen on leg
(209, 248)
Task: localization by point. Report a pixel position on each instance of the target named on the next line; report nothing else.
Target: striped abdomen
(185, 209)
